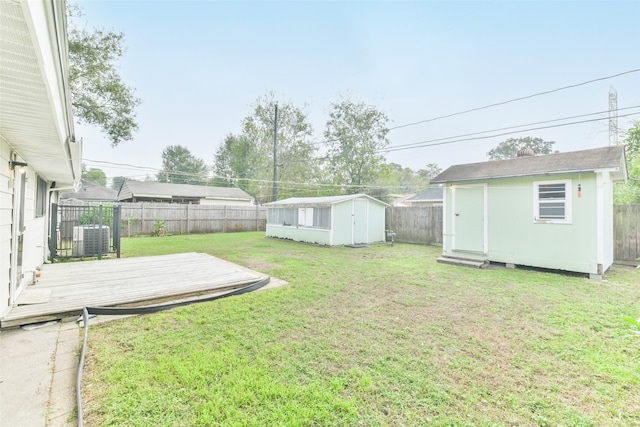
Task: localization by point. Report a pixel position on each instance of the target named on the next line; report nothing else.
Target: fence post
(188, 222)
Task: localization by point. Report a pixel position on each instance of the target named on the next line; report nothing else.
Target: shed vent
(526, 152)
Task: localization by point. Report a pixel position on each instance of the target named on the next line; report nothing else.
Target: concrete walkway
(38, 370)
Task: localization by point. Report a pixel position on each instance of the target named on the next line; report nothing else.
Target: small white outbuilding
(332, 220)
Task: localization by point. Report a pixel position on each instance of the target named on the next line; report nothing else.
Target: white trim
(600, 219)
(444, 220)
(568, 196)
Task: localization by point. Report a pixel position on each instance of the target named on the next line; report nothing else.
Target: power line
(505, 128)
(459, 113)
(430, 143)
(515, 99)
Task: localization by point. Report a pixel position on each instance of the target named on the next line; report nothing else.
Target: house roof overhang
(324, 201)
(598, 160)
(36, 118)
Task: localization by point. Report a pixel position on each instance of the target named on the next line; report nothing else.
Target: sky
(200, 66)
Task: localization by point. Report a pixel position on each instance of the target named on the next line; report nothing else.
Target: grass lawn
(377, 336)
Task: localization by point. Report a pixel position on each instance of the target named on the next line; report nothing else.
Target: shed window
(322, 217)
(552, 202)
(275, 215)
(290, 216)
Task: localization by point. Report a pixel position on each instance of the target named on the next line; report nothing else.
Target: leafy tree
(117, 181)
(430, 171)
(179, 166)
(246, 160)
(509, 149)
(234, 162)
(98, 94)
(355, 134)
(397, 179)
(629, 192)
(94, 176)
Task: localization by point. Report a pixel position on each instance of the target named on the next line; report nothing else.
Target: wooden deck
(69, 287)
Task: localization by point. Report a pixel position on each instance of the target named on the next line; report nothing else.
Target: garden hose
(115, 311)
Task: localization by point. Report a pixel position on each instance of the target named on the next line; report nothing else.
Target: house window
(41, 197)
(552, 201)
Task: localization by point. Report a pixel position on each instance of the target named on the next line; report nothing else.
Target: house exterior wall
(341, 231)
(299, 234)
(513, 236)
(342, 223)
(6, 202)
(376, 224)
(605, 212)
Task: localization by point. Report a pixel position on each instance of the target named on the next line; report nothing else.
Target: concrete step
(463, 261)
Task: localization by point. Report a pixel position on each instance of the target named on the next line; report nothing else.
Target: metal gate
(84, 231)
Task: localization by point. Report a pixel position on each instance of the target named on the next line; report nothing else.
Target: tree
(94, 176)
(246, 160)
(629, 192)
(179, 166)
(234, 163)
(117, 181)
(355, 134)
(509, 149)
(98, 95)
(430, 171)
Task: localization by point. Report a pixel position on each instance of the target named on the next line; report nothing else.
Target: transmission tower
(613, 116)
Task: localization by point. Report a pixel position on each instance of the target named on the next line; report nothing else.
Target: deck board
(114, 282)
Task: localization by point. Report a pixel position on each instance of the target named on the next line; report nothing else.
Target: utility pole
(275, 155)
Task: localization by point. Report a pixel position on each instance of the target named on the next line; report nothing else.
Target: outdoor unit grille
(90, 240)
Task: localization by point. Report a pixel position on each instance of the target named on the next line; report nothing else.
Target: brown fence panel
(626, 233)
(141, 218)
(415, 224)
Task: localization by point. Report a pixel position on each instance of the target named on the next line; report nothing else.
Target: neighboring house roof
(152, 189)
(321, 201)
(594, 160)
(35, 114)
(433, 195)
(92, 192)
(401, 199)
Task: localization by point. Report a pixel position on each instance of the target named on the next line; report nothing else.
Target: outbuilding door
(469, 218)
(360, 221)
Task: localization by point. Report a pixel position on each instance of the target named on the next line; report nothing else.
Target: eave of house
(35, 103)
(598, 160)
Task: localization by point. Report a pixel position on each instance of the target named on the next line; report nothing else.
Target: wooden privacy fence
(423, 225)
(142, 218)
(626, 232)
(415, 224)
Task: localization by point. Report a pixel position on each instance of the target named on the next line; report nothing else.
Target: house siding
(514, 237)
(6, 202)
(299, 234)
(342, 223)
(369, 213)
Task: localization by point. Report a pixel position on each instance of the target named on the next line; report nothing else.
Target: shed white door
(360, 221)
(469, 225)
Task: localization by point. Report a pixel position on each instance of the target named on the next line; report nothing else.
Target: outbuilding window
(552, 201)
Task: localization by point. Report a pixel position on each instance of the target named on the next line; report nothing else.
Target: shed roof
(321, 201)
(167, 190)
(91, 191)
(593, 160)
